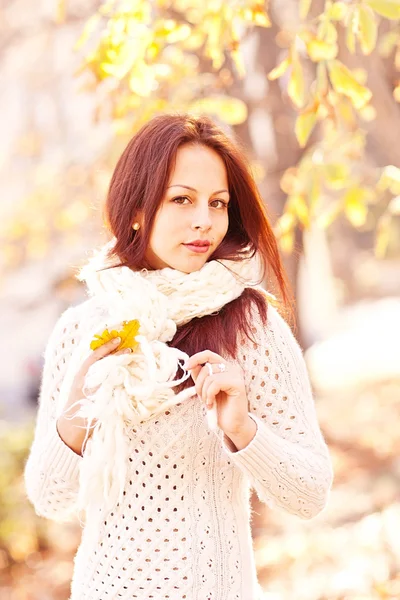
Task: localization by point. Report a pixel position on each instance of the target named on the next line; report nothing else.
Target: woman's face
(194, 207)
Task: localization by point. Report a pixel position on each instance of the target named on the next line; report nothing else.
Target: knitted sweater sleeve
(51, 472)
(287, 462)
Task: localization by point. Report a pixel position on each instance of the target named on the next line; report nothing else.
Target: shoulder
(274, 331)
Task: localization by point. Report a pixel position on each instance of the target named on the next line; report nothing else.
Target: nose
(202, 219)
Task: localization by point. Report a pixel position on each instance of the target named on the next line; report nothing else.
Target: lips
(199, 244)
(197, 248)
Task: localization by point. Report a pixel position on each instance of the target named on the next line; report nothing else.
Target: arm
(283, 453)
(52, 470)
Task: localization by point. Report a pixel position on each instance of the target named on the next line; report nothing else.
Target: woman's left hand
(225, 388)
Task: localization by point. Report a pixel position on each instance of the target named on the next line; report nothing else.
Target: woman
(158, 439)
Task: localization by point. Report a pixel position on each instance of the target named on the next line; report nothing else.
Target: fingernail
(128, 350)
(116, 340)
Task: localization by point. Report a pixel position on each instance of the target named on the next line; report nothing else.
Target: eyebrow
(193, 189)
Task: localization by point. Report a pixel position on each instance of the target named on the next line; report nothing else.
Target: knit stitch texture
(182, 529)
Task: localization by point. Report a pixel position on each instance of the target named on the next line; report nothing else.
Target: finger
(202, 357)
(100, 352)
(210, 390)
(200, 380)
(123, 351)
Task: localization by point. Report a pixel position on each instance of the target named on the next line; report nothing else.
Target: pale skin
(193, 207)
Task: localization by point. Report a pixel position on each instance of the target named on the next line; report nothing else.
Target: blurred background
(312, 90)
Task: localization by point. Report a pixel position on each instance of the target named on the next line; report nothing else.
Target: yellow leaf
(239, 63)
(336, 175)
(178, 34)
(297, 205)
(88, 29)
(337, 11)
(320, 50)
(304, 8)
(296, 84)
(326, 219)
(260, 17)
(61, 11)
(396, 93)
(305, 123)
(326, 31)
(388, 42)
(351, 29)
(285, 223)
(390, 179)
(286, 242)
(279, 70)
(368, 113)
(387, 8)
(291, 182)
(127, 334)
(231, 110)
(355, 206)
(382, 235)
(344, 82)
(368, 29)
(141, 80)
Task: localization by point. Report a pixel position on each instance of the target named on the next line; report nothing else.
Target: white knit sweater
(182, 530)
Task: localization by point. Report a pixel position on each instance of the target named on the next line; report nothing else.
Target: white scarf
(135, 387)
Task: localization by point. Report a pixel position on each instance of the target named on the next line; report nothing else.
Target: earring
(135, 226)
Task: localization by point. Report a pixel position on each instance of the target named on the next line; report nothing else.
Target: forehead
(193, 162)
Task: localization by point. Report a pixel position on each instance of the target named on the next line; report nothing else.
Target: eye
(223, 204)
(180, 198)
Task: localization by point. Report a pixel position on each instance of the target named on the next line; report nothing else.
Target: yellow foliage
(336, 175)
(304, 8)
(337, 11)
(344, 82)
(355, 207)
(390, 180)
(351, 29)
(231, 110)
(368, 29)
(127, 334)
(279, 70)
(326, 218)
(320, 50)
(388, 43)
(305, 123)
(382, 235)
(297, 205)
(387, 8)
(291, 182)
(296, 86)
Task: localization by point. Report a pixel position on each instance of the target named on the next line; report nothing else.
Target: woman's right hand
(73, 430)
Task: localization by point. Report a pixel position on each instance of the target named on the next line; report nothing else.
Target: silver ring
(222, 367)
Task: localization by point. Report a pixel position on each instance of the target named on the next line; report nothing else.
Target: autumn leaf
(279, 70)
(387, 8)
(344, 82)
(355, 207)
(305, 123)
(337, 11)
(320, 50)
(296, 86)
(127, 334)
(368, 29)
(304, 8)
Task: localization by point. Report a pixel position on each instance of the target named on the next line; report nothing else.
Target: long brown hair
(138, 185)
